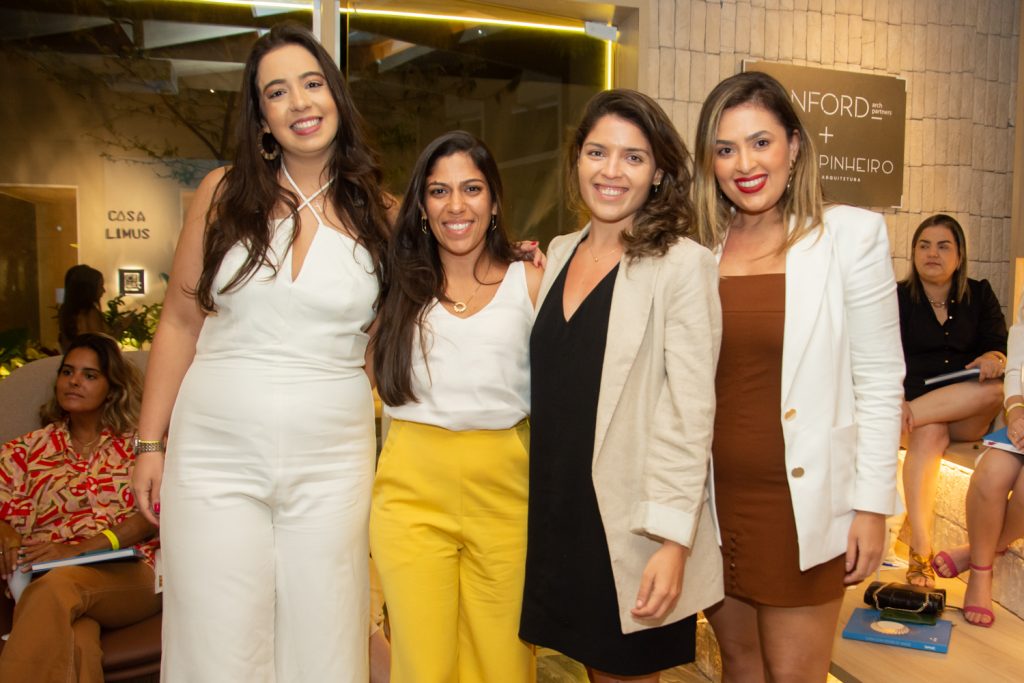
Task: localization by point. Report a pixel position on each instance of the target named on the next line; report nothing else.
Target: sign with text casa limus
(858, 123)
(126, 224)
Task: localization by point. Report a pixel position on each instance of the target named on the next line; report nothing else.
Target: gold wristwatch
(140, 446)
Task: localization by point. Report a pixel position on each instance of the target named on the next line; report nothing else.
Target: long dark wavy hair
(667, 215)
(124, 397)
(415, 274)
(249, 191)
(83, 287)
(958, 290)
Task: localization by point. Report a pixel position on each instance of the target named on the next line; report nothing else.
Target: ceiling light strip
(462, 18)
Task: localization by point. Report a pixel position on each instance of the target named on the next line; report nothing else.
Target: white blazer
(842, 379)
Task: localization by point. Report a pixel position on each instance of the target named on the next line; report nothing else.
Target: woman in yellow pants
(448, 519)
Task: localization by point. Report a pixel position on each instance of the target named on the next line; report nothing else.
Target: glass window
(114, 111)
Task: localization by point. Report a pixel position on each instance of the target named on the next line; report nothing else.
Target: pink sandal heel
(976, 610)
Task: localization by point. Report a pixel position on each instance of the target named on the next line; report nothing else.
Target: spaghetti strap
(306, 201)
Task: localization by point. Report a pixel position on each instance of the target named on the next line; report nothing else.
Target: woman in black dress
(623, 357)
(948, 322)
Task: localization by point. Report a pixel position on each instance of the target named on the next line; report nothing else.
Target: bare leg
(960, 412)
(797, 641)
(989, 518)
(380, 658)
(736, 629)
(925, 446)
(960, 402)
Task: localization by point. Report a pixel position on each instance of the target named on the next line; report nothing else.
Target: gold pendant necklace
(598, 258)
(461, 306)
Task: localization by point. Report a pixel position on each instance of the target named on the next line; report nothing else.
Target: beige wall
(959, 58)
(51, 137)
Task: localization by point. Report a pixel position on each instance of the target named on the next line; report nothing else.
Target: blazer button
(790, 414)
(797, 472)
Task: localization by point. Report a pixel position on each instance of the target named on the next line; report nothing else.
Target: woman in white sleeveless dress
(448, 522)
(263, 497)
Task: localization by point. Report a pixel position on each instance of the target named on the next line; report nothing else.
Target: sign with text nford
(858, 124)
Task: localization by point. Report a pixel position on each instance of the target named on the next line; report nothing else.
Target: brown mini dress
(752, 498)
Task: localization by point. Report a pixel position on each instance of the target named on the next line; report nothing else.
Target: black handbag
(905, 597)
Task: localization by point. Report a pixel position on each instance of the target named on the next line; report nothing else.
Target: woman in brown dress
(808, 384)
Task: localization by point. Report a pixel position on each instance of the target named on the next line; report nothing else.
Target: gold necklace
(461, 306)
(608, 253)
(937, 304)
(83, 448)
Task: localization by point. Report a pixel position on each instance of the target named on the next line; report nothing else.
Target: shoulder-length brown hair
(958, 290)
(802, 203)
(415, 276)
(249, 190)
(121, 408)
(667, 214)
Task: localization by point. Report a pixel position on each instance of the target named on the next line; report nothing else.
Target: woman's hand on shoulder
(662, 581)
(865, 545)
(147, 477)
(535, 275)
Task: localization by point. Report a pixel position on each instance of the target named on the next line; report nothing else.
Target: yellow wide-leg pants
(448, 535)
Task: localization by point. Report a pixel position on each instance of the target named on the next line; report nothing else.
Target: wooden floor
(991, 655)
(553, 667)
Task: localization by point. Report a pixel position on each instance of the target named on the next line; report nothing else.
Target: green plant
(16, 349)
(133, 327)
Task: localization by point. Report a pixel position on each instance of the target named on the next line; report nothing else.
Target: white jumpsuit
(269, 468)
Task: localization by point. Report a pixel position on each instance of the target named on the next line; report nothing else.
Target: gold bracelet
(1010, 407)
(115, 544)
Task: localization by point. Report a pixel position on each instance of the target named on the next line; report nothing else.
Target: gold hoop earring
(268, 146)
(423, 225)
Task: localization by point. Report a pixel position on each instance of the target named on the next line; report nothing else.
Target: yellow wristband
(1010, 407)
(115, 544)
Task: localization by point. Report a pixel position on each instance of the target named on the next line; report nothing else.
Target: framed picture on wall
(131, 280)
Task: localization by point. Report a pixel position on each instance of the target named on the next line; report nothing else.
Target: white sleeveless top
(477, 374)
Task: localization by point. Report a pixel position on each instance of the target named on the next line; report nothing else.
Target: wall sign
(131, 280)
(858, 122)
(126, 224)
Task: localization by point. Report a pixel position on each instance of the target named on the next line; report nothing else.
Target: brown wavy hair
(959, 291)
(247, 194)
(415, 274)
(121, 408)
(667, 214)
(802, 203)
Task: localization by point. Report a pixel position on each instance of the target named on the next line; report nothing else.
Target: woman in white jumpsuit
(263, 495)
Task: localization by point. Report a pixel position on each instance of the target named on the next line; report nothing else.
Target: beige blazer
(655, 417)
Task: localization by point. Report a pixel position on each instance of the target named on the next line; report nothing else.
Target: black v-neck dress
(569, 601)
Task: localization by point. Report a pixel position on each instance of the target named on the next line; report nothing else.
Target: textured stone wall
(959, 59)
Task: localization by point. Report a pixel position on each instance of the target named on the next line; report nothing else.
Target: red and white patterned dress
(50, 493)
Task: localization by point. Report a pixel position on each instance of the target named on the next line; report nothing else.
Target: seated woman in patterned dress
(64, 491)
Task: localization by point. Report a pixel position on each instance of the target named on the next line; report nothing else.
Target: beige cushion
(29, 387)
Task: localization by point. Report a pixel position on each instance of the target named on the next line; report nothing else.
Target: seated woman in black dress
(948, 322)
(623, 356)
